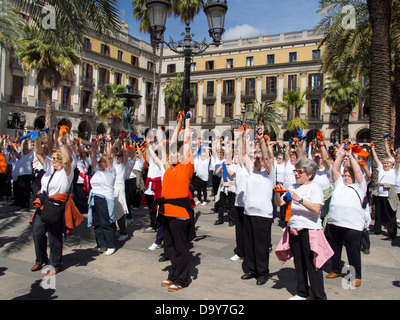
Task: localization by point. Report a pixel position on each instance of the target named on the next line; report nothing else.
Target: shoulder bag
(52, 210)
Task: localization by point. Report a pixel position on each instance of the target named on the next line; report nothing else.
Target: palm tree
(380, 70)
(75, 17)
(266, 114)
(53, 63)
(293, 102)
(11, 25)
(173, 93)
(108, 103)
(342, 91)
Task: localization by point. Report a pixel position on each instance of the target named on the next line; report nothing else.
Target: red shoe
(38, 267)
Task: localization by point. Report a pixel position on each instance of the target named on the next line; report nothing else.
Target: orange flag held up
(63, 131)
(278, 188)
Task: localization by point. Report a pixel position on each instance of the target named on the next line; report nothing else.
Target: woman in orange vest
(176, 209)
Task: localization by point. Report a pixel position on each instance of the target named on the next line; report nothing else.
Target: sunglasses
(299, 171)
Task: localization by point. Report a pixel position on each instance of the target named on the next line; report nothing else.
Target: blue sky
(243, 19)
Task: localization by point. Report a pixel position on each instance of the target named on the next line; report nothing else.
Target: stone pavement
(134, 273)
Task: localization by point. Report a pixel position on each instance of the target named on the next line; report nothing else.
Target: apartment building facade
(227, 81)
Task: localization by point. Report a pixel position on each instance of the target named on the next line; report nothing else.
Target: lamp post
(340, 120)
(215, 11)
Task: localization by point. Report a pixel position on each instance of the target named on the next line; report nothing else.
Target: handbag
(52, 211)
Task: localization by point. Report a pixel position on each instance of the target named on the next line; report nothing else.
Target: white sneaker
(297, 297)
(122, 237)
(236, 258)
(154, 246)
(198, 202)
(204, 203)
(110, 251)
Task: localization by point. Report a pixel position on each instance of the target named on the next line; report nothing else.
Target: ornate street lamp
(215, 11)
(340, 120)
(128, 114)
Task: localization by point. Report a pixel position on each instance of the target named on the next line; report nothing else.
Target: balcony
(87, 81)
(268, 94)
(209, 97)
(66, 107)
(248, 95)
(315, 91)
(228, 97)
(291, 89)
(18, 100)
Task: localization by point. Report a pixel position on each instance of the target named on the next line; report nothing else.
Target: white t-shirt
(230, 179)
(135, 165)
(323, 178)
(300, 216)
(289, 178)
(121, 171)
(345, 209)
(241, 179)
(398, 181)
(103, 182)
(258, 196)
(201, 168)
(385, 177)
(23, 165)
(82, 166)
(154, 172)
(60, 183)
(280, 171)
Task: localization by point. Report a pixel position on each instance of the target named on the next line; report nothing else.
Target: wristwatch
(301, 201)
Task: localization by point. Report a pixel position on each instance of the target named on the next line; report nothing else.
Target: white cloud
(243, 31)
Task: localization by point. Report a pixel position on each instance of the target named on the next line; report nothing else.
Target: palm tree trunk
(397, 98)
(380, 72)
(49, 107)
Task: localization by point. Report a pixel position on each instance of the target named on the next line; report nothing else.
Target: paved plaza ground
(134, 273)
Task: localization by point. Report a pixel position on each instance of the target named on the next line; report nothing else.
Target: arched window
(363, 136)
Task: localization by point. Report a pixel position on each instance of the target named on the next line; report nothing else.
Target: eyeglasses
(299, 171)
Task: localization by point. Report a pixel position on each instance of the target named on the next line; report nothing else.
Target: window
(250, 88)
(249, 61)
(118, 78)
(229, 110)
(316, 54)
(210, 113)
(314, 111)
(315, 81)
(86, 100)
(210, 87)
(292, 56)
(150, 66)
(209, 65)
(134, 60)
(105, 50)
(171, 68)
(65, 98)
(120, 55)
(87, 44)
(193, 66)
(134, 83)
(292, 82)
(270, 59)
(271, 84)
(229, 86)
(229, 63)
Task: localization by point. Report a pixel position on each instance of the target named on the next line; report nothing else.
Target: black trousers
(257, 235)
(133, 196)
(152, 212)
(305, 269)
(352, 241)
(80, 198)
(3, 179)
(230, 207)
(22, 191)
(201, 187)
(177, 247)
(385, 215)
(239, 231)
(54, 233)
(104, 230)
